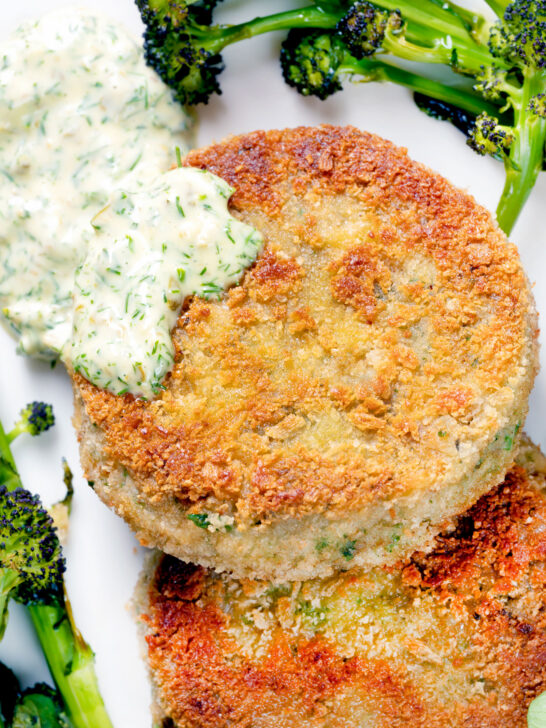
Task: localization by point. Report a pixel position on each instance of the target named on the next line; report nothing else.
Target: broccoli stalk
(526, 154)
(31, 572)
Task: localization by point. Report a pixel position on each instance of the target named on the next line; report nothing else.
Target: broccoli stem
(15, 432)
(8, 580)
(384, 71)
(464, 58)
(8, 470)
(525, 158)
(300, 18)
(72, 665)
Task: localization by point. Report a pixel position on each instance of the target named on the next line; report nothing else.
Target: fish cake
(455, 637)
(363, 384)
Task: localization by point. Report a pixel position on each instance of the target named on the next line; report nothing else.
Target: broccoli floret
(40, 707)
(175, 43)
(519, 38)
(537, 105)
(31, 563)
(490, 137)
(37, 707)
(363, 28)
(310, 62)
(436, 109)
(492, 83)
(35, 418)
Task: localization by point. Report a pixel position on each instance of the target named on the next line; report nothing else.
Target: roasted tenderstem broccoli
(512, 83)
(36, 707)
(517, 77)
(31, 571)
(36, 417)
(316, 63)
(31, 562)
(184, 47)
(498, 96)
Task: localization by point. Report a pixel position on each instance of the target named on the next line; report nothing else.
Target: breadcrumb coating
(456, 637)
(372, 368)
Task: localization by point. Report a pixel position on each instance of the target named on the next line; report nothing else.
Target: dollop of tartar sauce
(152, 248)
(81, 116)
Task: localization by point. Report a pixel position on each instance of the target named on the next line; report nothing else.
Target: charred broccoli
(182, 45)
(316, 63)
(31, 562)
(31, 572)
(517, 43)
(36, 417)
(37, 707)
(498, 98)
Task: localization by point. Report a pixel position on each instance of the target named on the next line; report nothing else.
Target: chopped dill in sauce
(145, 259)
(81, 116)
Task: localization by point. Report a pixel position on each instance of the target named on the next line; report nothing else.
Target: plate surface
(103, 557)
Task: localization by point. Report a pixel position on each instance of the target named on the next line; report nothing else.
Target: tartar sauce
(81, 116)
(90, 273)
(152, 249)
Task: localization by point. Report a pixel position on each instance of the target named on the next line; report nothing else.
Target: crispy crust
(456, 637)
(379, 345)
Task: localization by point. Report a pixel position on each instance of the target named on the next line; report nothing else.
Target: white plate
(103, 558)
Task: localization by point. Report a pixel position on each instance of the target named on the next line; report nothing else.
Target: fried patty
(455, 637)
(363, 385)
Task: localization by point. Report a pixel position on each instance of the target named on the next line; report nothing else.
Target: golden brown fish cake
(362, 386)
(456, 637)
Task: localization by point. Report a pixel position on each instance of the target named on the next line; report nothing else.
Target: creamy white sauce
(152, 248)
(81, 116)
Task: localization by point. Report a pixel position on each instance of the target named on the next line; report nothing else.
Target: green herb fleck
(348, 549)
(316, 615)
(321, 544)
(179, 207)
(200, 519)
(395, 538)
